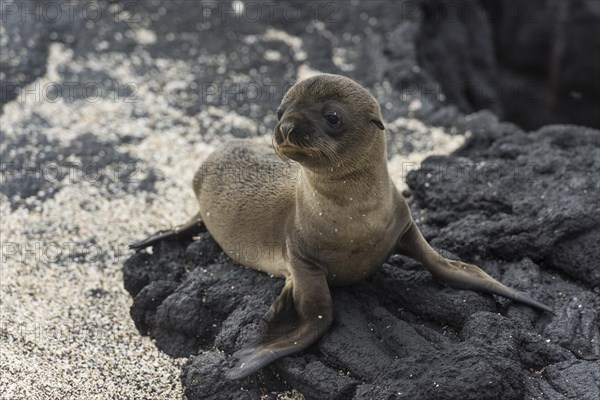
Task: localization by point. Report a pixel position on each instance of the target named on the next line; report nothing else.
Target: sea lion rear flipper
(457, 274)
(299, 316)
(181, 232)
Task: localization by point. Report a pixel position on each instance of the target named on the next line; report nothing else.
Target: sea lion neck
(341, 185)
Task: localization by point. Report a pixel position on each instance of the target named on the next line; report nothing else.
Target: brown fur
(331, 218)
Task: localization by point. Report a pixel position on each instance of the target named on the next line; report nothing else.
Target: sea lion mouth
(287, 148)
(305, 144)
(319, 154)
(286, 143)
(290, 145)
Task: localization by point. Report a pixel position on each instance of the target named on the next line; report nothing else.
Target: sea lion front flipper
(299, 316)
(181, 232)
(457, 274)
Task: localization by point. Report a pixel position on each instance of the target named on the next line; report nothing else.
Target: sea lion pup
(334, 223)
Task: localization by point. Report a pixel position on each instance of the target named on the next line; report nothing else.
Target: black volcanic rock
(401, 335)
(139, 270)
(522, 205)
(533, 62)
(529, 195)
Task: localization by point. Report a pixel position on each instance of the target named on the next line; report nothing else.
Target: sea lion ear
(375, 119)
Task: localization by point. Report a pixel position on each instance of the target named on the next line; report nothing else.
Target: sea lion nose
(286, 128)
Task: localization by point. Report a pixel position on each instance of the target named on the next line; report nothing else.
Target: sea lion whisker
(282, 209)
(331, 153)
(278, 152)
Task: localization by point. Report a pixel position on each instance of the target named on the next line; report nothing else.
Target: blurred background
(108, 107)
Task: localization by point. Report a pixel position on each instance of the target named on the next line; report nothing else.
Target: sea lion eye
(332, 118)
(279, 114)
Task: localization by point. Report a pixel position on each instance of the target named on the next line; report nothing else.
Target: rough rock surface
(522, 205)
(87, 172)
(528, 61)
(516, 203)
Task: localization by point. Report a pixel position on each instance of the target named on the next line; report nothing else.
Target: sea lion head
(326, 121)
